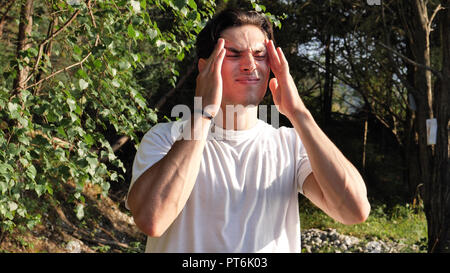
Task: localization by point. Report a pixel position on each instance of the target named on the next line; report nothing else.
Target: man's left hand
(284, 91)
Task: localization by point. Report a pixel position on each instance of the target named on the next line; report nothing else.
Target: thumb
(273, 85)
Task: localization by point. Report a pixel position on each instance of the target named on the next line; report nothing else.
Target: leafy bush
(79, 86)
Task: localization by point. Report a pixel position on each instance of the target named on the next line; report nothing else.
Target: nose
(247, 63)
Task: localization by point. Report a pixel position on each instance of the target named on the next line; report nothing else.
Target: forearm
(343, 190)
(161, 192)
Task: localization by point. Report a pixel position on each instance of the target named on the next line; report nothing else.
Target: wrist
(204, 114)
(197, 128)
(299, 114)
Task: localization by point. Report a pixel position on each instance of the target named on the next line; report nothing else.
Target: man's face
(245, 69)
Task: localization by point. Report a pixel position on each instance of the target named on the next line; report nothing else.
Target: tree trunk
(439, 230)
(4, 15)
(433, 159)
(411, 159)
(25, 26)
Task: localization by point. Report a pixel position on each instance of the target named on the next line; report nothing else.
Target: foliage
(80, 93)
(90, 70)
(404, 223)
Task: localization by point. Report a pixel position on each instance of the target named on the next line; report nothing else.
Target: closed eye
(259, 57)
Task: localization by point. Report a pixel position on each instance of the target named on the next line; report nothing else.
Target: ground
(106, 227)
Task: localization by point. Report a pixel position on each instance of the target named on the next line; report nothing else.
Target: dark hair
(210, 34)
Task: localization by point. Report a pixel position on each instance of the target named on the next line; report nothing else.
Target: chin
(245, 96)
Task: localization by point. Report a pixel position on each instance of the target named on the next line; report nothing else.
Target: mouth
(247, 80)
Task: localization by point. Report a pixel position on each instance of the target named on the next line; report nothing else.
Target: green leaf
(89, 140)
(72, 104)
(23, 121)
(39, 189)
(83, 84)
(31, 172)
(184, 11)
(24, 139)
(143, 4)
(61, 131)
(82, 73)
(33, 52)
(115, 83)
(152, 33)
(3, 187)
(14, 110)
(192, 4)
(4, 168)
(113, 177)
(136, 6)
(131, 31)
(49, 188)
(12, 205)
(180, 3)
(98, 64)
(79, 210)
(124, 65)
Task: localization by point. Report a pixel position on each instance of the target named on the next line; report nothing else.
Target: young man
(233, 187)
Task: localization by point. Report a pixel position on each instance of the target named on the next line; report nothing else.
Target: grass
(400, 223)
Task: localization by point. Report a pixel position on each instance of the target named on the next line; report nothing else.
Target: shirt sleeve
(302, 163)
(155, 144)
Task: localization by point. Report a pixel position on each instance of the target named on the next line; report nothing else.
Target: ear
(201, 64)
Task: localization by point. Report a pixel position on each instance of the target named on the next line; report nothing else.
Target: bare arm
(161, 192)
(335, 185)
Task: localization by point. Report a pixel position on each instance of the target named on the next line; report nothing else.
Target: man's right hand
(209, 80)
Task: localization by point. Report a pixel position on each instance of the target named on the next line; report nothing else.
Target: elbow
(155, 231)
(149, 227)
(360, 215)
(364, 211)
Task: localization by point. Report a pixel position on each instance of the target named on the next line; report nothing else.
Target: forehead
(244, 37)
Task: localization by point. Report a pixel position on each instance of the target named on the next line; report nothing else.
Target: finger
(283, 60)
(219, 61)
(219, 46)
(273, 86)
(273, 55)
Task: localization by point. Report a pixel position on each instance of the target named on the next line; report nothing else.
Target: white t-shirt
(245, 198)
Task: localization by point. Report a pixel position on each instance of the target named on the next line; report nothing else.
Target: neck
(233, 117)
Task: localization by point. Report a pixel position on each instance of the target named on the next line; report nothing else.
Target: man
(232, 186)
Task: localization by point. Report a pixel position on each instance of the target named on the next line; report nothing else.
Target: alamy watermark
(183, 130)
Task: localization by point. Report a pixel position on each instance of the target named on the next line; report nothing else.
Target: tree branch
(438, 8)
(8, 4)
(25, 27)
(97, 39)
(408, 60)
(59, 71)
(53, 35)
(48, 39)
